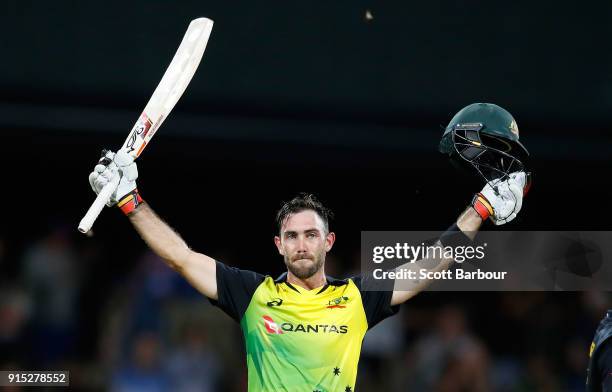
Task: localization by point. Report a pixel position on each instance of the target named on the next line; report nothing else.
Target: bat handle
(98, 204)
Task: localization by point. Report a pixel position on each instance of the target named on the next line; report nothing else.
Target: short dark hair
(302, 202)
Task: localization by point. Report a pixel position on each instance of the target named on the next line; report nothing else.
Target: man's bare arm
(500, 200)
(198, 269)
(469, 222)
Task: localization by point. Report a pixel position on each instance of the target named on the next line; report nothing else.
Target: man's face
(303, 243)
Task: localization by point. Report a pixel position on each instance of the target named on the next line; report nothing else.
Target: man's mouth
(302, 258)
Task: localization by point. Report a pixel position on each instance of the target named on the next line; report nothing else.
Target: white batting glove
(502, 200)
(110, 165)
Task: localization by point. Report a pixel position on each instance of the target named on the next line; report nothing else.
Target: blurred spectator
(506, 373)
(51, 276)
(155, 298)
(150, 285)
(15, 310)
(449, 358)
(191, 366)
(540, 375)
(381, 350)
(143, 370)
(135, 305)
(594, 305)
(576, 362)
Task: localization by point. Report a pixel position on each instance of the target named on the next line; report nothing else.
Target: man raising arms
(303, 330)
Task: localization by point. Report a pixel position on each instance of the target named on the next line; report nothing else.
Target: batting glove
(121, 164)
(502, 200)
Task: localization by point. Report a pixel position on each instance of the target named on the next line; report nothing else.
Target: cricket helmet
(485, 137)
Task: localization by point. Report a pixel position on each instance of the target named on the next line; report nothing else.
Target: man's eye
(290, 235)
(312, 235)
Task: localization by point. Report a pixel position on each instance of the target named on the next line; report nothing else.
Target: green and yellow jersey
(297, 339)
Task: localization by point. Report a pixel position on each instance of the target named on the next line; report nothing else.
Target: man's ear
(330, 238)
(277, 242)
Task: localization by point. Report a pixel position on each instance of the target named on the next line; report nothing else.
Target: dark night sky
(307, 96)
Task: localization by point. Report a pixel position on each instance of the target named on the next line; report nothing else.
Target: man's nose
(301, 244)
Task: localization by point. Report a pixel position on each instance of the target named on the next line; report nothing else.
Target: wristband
(482, 206)
(528, 182)
(130, 202)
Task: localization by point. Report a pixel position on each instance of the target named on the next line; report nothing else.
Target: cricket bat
(166, 95)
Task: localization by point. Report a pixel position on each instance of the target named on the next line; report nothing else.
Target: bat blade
(169, 90)
(171, 87)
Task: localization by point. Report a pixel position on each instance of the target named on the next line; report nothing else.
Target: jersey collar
(329, 282)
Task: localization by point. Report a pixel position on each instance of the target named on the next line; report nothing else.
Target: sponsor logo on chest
(274, 328)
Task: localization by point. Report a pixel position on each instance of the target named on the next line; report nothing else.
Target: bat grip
(98, 204)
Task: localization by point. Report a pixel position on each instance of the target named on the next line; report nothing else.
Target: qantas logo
(271, 326)
(274, 329)
(337, 303)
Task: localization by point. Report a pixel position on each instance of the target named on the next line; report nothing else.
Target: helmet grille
(489, 155)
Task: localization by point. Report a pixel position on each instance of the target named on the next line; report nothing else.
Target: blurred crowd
(147, 329)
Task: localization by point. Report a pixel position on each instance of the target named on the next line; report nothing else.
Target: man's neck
(315, 281)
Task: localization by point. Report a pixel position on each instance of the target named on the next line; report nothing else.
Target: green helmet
(485, 136)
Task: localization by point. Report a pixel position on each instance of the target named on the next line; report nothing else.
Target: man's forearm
(160, 237)
(468, 222)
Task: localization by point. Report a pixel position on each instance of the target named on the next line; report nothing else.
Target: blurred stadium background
(290, 97)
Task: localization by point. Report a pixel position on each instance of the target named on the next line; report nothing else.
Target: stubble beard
(305, 269)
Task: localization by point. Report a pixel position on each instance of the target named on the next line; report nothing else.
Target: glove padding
(110, 165)
(505, 197)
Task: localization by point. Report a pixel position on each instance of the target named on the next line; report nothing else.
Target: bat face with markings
(140, 130)
(169, 90)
